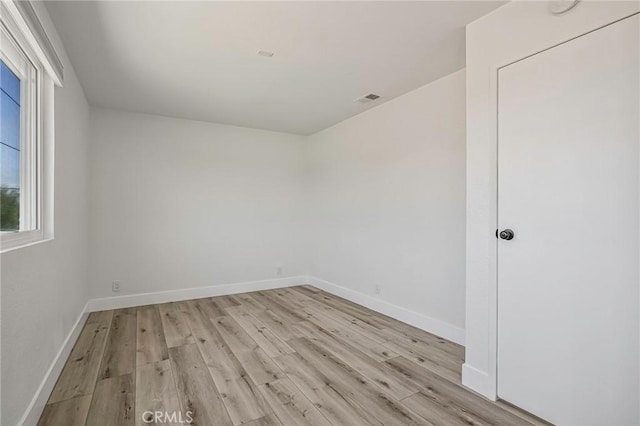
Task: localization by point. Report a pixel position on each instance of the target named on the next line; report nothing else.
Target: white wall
(44, 286)
(179, 204)
(387, 203)
(512, 32)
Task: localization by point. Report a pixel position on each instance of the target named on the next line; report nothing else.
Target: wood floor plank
(100, 317)
(340, 327)
(374, 318)
(345, 305)
(445, 367)
(436, 413)
(529, 418)
(70, 412)
(259, 332)
(155, 391)
(151, 343)
(239, 392)
(259, 366)
(378, 373)
(80, 373)
(207, 307)
(254, 360)
(248, 302)
(333, 301)
(392, 327)
(280, 328)
(325, 396)
(288, 315)
(286, 300)
(405, 332)
(235, 336)
(270, 420)
(224, 301)
(429, 346)
(224, 364)
(387, 325)
(291, 295)
(349, 321)
(309, 287)
(355, 387)
(176, 330)
(375, 350)
(120, 352)
(448, 394)
(113, 402)
(220, 360)
(243, 400)
(196, 390)
(290, 405)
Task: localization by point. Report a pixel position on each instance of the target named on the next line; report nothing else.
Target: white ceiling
(198, 60)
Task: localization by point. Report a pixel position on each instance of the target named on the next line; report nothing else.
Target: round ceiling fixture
(560, 7)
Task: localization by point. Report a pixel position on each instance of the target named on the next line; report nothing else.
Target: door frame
(510, 34)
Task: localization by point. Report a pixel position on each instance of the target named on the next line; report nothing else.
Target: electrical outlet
(115, 286)
(377, 288)
(279, 271)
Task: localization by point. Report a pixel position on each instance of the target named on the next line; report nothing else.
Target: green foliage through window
(9, 209)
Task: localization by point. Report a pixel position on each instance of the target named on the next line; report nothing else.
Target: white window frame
(21, 52)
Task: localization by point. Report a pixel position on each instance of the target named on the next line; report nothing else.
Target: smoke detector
(367, 98)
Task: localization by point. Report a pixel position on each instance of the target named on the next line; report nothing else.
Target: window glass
(9, 150)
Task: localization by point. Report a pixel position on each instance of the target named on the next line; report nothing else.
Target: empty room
(319, 213)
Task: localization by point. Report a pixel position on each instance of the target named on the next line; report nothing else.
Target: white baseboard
(479, 381)
(141, 299)
(431, 325)
(34, 410)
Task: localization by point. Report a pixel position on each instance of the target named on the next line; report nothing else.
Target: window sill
(19, 240)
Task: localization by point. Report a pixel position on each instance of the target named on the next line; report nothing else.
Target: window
(9, 150)
(18, 141)
(29, 69)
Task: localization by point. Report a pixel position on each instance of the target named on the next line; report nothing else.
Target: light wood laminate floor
(291, 356)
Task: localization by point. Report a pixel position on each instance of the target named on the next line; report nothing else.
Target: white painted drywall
(326, 55)
(44, 286)
(387, 201)
(179, 204)
(514, 31)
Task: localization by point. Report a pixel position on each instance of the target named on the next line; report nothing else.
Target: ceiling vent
(367, 98)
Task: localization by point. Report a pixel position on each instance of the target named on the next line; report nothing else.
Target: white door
(568, 187)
